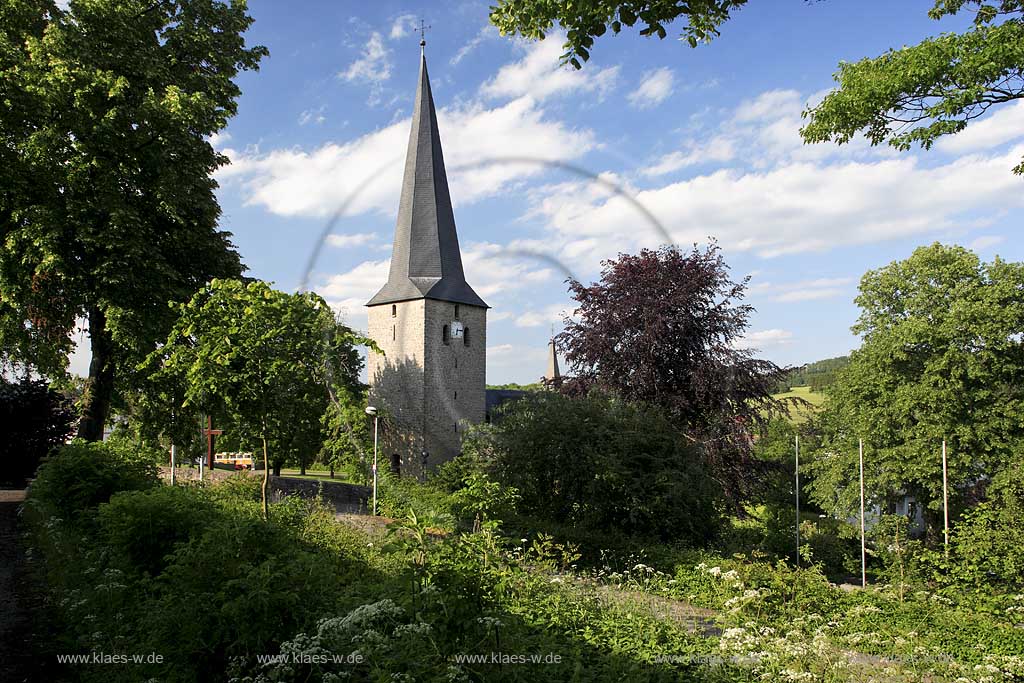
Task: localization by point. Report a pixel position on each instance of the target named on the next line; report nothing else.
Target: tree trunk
(302, 467)
(266, 480)
(277, 469)
(99, 387)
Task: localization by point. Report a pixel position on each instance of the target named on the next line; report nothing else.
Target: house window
(394, 310)
(465, 336)
(456, 311)
(446, 335)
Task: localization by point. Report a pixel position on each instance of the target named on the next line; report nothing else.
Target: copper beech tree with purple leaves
(664, 327)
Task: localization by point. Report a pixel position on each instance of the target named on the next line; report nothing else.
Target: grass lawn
(800, 414)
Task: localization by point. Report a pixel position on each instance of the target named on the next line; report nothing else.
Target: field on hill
(802, 412)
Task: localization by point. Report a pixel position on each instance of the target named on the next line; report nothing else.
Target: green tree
(941, 358)
(585, 21)
(663, 328)
(349, 435)
(917, 94)
(107, 206)
(265, 358)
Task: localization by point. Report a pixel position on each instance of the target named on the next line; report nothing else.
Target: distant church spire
(425, 258)
(552, 372)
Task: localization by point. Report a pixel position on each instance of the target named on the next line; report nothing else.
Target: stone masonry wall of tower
(431, 390)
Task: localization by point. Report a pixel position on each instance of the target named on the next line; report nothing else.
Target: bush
(35, 420)
(144, 527)
(988, 543)
(396, 496)
(602, 463)
(83, 474)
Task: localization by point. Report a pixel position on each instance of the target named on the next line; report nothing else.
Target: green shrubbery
(601, 463)
(80, 476)
(195, 574)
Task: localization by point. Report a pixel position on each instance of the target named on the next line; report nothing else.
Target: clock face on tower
(456, 330)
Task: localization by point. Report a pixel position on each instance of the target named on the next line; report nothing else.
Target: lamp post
(372, 412)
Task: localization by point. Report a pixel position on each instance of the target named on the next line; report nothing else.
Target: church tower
(429, 322)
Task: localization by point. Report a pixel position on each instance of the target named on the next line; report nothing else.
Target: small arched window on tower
(465, 336)
(446, 335)
(394, 310)
(456, 311)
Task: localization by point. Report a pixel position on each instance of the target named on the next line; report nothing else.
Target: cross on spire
(423, 32)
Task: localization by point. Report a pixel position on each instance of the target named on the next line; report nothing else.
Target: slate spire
(425, 259)
(552, 372)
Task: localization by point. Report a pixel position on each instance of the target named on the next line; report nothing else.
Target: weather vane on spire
(423, 32)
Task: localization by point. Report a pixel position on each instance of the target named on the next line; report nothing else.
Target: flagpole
(863, 547)
(945, 500)
(796, 443)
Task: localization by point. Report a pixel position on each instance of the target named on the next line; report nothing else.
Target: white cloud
(217, 140)
(353, 240)
(718, 149)
(1006, 124)
(373, 66)
(769, 106)
(492, 271)
(517, 360)
(761, 132)
(985, 241)
(348, 292)
(488, 32)
(794, 207)
(655, 86)
(804, 290)
(313, 116)
(402, 26)
(540, 75)
(763, 339)
(295, 182)
(500, 350)
(545, 315)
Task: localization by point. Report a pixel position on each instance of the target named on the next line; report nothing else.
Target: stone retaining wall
(343, 497)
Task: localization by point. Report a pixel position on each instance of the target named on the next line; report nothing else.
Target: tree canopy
(941, 358)
(107, 206)
(916, 94)
(265, 358)
(585, 21)
(664, 328)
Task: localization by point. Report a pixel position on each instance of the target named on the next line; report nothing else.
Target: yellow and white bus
(237, 461)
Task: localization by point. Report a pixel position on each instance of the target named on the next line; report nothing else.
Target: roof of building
(425, 259)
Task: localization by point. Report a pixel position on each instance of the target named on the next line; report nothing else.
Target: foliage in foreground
(195, 574)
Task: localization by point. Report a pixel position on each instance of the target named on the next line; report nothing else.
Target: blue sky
(705, 138)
